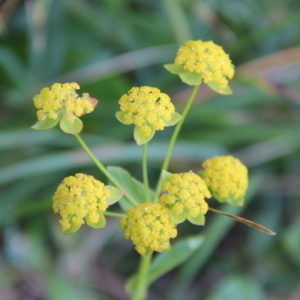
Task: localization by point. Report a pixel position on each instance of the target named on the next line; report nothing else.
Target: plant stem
(174, 137)
(102, 168)
(145, 172)
(140, 291)
(114, 215)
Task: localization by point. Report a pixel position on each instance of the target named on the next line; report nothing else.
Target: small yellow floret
(145, 130)
(62, 97)
(145, 106)
(149, 227)
(226, 176)
(208, 59)
(185, 191)
(78, 197)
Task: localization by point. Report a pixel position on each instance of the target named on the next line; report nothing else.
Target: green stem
(114, 215)
(141, 287)
(102, 168)
(174, 137)
(145, 172)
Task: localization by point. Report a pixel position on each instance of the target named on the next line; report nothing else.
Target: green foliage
(46, 124)
(100, 224)
(73, 127)
(174, 120)
(140, 138)
(199, 220)
(215, 86)
(231, 200)
(132, 188)
(115, 194)
(74, 228)
(190, 78)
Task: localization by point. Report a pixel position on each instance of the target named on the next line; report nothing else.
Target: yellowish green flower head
(61, 104)
(207, 59)
(79, 199)
(148, 109)
(227, 178)
(62, 97)
(184, 195)
(149, 227)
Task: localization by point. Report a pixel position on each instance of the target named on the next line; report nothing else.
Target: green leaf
(191, 78)
(120, 117)
(217, 196)
(235, 202)
(73, 227)
(100, 224)
(174, 120)
(71, 127)
(115, 194)
(216, 87)
(169, 260)
(177, 219)
(231, 200)
(199, 220)
(174, 69)
(141, 139)
(46, 124)
(178, 254)
(131, 187)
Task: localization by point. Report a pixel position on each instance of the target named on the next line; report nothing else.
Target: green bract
(231, 200)
(71, 127)
(193, 78)
(190, 78)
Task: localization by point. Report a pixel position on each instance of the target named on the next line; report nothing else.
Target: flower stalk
(145, 173)
(141, 287)
(101, 167)
(174, 138)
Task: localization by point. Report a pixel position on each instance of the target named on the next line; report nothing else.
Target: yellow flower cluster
(149, 227)
(62, 97)
(226, 176)
(78, 197)
(144, 106)
(208, 59)
(185, 192)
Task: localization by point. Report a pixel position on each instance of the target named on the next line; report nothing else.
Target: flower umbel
(78, 199)
(227, 179)
(198, 61)
(149, 227)
(148, 109)
(61, 103)
(184, 195)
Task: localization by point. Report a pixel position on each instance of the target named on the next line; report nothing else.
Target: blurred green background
(107, 47)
